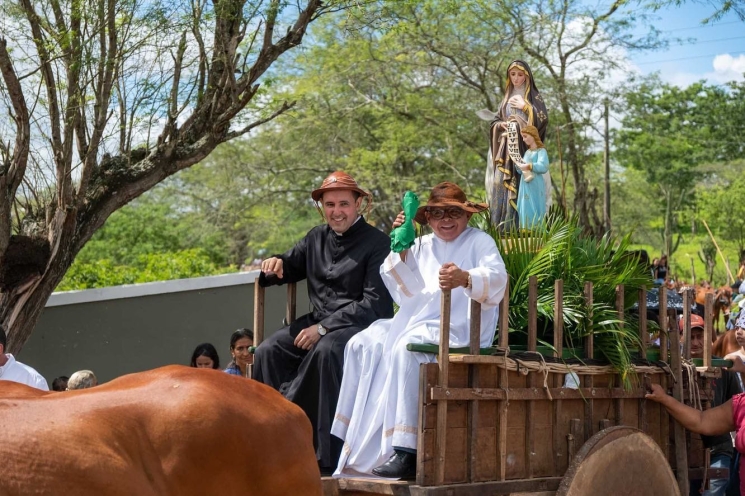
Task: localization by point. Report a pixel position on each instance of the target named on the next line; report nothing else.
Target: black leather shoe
(402, 465)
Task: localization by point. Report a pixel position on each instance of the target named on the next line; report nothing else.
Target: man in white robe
(15, 371)
(377, 412)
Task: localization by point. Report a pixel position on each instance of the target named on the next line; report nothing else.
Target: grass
(690, 245)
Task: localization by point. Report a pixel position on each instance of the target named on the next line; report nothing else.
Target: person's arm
(712, 422)
(489, 277)
(291, 265)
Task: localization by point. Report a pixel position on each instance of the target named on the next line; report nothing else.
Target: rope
(506, 382)
(542, 367)
(525, 366)
(690, 371)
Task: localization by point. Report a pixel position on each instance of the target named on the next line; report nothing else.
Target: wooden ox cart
(495, 422)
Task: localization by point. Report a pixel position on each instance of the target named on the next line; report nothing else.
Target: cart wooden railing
(470, 442)
(484, 384)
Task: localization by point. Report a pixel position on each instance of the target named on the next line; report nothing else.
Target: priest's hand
(452, 277)
(272, 266)
(307, 337)
(400, 219)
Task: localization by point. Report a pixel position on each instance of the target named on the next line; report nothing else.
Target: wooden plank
(681, 454)
(258, 313)
(532, 313)
(454, 350)
(351, 486)
(589, 353)
(442, 380)
(532, 345)
(558, 443)
(643, 420)
(618, 402)
(687, 324)
(643, 338)
(503, 342)
(502, 426)
(499, 360)
(708, 328)
(533, 394)
(424, 472)
(504, 318)
(664, 352)
(574, 438)
(475, 328)
(543, 484)
(558, 317)
(473, 406)
(643, 334)
(290, 311)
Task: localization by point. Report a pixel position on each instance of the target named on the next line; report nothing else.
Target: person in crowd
(205, 357)
(714, 422)
(13, 370)
(341, 262)
(524, 105)
(60, 383)
(82, 379)
(241, 342)
(377, 414)
(661, 271)
(725, 387)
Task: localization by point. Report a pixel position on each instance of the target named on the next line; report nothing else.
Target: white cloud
(727, 68)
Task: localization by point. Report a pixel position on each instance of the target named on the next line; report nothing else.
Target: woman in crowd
(205, 357)
(241, 342)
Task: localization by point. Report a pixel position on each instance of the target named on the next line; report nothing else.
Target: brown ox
(722, 302)
(169, 431)
(725, 344)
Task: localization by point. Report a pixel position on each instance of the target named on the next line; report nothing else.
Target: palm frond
(560, 250)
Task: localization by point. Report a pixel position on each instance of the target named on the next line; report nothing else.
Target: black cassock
(347, 295)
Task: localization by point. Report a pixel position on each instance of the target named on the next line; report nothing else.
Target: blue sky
(717, 54)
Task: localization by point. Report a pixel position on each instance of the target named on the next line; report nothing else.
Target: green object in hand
(403, 236)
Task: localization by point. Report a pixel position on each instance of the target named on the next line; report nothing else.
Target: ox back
(166, 432)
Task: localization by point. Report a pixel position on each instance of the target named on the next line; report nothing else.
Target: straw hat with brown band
(448, 194)
(338, 180)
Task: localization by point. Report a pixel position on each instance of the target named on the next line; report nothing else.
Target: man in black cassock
(341, 261)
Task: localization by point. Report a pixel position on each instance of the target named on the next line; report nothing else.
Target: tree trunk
(667, 234)
(21, 306)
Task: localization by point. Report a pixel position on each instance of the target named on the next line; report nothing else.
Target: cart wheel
(619, 460)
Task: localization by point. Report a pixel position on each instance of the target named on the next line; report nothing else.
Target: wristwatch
(322, 330)
(469, 285)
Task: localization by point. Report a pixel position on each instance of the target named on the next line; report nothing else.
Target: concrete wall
(119, 330)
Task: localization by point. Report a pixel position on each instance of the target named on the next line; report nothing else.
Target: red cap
(696, 321)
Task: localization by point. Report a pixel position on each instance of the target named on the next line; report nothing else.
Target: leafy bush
(145, 268)
(560, 250)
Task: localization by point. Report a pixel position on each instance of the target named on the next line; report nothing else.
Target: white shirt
(15, 371)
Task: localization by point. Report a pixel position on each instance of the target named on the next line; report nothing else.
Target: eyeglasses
(451, 212)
